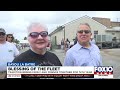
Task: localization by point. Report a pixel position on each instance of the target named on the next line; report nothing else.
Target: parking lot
(111, 57)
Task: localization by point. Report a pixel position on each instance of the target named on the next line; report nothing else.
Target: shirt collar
(80, 46)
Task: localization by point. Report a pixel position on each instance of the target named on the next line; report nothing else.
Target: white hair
(36, 24)
(85, 24)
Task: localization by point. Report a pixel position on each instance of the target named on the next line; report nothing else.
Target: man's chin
(84, 42)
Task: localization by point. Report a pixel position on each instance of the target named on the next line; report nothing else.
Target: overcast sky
(16, 22)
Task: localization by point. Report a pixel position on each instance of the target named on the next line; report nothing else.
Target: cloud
(17, 21)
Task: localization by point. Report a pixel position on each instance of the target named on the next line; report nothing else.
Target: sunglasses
(85, 31)
(36, 34)
(2, 34)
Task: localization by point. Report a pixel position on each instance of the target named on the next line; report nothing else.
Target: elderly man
(7, 53)
(38, 40)
(83, 53)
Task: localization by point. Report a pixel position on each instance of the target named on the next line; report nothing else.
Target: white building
(99, 26)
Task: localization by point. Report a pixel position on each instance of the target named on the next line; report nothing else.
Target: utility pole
(64, 32)
(118, 19)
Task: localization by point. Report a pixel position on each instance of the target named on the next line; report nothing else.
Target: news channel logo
(103, 72)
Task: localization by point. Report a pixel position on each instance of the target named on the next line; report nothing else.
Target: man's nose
(83, 33)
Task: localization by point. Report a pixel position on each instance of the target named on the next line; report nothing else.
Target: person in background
(75, 41)
(62, 44)
(10, 38)
(66, 45)
(83, 53)
(92, 40)
(7, 53)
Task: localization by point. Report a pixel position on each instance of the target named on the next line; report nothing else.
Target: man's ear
(76, 33)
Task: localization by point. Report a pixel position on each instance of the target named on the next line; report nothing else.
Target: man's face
(2, 36)
(38, 38)
(84, 34)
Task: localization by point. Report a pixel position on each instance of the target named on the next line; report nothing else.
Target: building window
(113, 33)
(95, 32)
(95, 36)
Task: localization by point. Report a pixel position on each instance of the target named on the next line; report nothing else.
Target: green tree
(25, 38)
(16, 41)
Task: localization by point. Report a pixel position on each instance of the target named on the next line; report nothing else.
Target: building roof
(56, 30)
(61, 27)
(85, 17)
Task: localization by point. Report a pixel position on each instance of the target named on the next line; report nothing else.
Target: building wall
(114, 34)
(59, 35)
